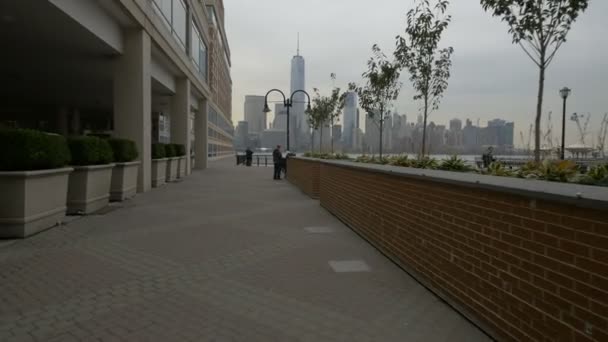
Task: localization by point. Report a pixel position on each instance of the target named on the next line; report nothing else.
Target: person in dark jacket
(276, 159)
(249, 156)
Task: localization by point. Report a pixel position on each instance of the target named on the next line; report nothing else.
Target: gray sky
(490, 76)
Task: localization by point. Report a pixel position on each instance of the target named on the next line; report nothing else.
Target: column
(200, 133)
(133, 100)
(180, 118)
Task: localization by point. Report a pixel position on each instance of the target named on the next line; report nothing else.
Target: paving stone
(225, 255)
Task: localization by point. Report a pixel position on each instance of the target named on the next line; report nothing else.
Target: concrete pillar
(133, 100)
(200, 133)
(62, 121)
(180, 118)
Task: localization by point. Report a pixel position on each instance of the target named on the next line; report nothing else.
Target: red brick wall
(526, 269)
(304, 174)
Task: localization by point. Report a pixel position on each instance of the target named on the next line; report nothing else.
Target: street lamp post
(288, 103)
(564, 92)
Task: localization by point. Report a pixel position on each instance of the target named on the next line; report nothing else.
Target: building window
(180, 22)
(198, 51)
(175, 14)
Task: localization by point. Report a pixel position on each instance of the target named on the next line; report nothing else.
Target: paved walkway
(226, 255)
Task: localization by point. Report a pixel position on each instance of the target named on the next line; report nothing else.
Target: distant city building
(242, 136)
(299, 130)
(351, 121)
(280, 117)
(336, 135)
(254, 113)
(372, 136)
(470, 136)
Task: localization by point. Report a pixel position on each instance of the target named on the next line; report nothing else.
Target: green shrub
(454, 164)
(90, 151)
(170, 151)
(124, 150)
(158, 151)
(180, 150)
(26, 150)
(425, 163)
(498, 169)
(403, 161)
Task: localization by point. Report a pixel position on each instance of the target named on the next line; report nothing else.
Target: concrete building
(145, 70)
(254, 113)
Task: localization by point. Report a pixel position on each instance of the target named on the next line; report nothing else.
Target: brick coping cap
(576, 194)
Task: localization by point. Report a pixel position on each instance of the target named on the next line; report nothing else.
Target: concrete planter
(32, 201)
(172, 166)
(124, 181)
(89, 188)
(181, 167)
(159, 172)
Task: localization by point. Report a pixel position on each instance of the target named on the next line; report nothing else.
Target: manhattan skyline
(491, 77)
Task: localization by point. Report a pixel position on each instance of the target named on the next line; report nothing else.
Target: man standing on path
(276, 158)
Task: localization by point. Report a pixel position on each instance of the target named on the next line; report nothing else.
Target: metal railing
(259, 160)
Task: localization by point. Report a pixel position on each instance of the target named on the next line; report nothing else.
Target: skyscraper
(280, 117)
(351, 118)
(299, 129)
(254, 113)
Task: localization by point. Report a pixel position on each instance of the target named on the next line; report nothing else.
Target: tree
(418, 52)
(540, 27)
(381, 88)
(325, 109)
(337, 105)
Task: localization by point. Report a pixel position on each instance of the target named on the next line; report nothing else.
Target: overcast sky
(491, 78)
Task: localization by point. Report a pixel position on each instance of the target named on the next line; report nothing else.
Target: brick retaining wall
(304, 173)
(523, 267)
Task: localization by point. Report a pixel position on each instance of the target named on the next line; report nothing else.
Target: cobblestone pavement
(228, 254)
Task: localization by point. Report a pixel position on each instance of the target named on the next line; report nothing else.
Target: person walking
(249, 156)
(276, 158)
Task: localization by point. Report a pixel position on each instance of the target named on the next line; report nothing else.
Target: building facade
(254, 113)
(351, 121)
(299, 128)
(145, 70)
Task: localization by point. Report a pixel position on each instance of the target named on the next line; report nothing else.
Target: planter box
(159, 172)
(172, 165)
(181, 167)
(89, 188)
(32, 201)
(124, 181)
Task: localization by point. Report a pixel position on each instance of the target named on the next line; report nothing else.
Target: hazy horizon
(491, 77)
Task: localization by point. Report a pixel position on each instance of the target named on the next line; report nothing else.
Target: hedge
(158, 151)
(28, 150)
(170, 151)
(90, 150)
(124, 150)
(180, 150)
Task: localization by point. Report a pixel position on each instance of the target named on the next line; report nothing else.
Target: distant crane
(602, 136)
(582, 129)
